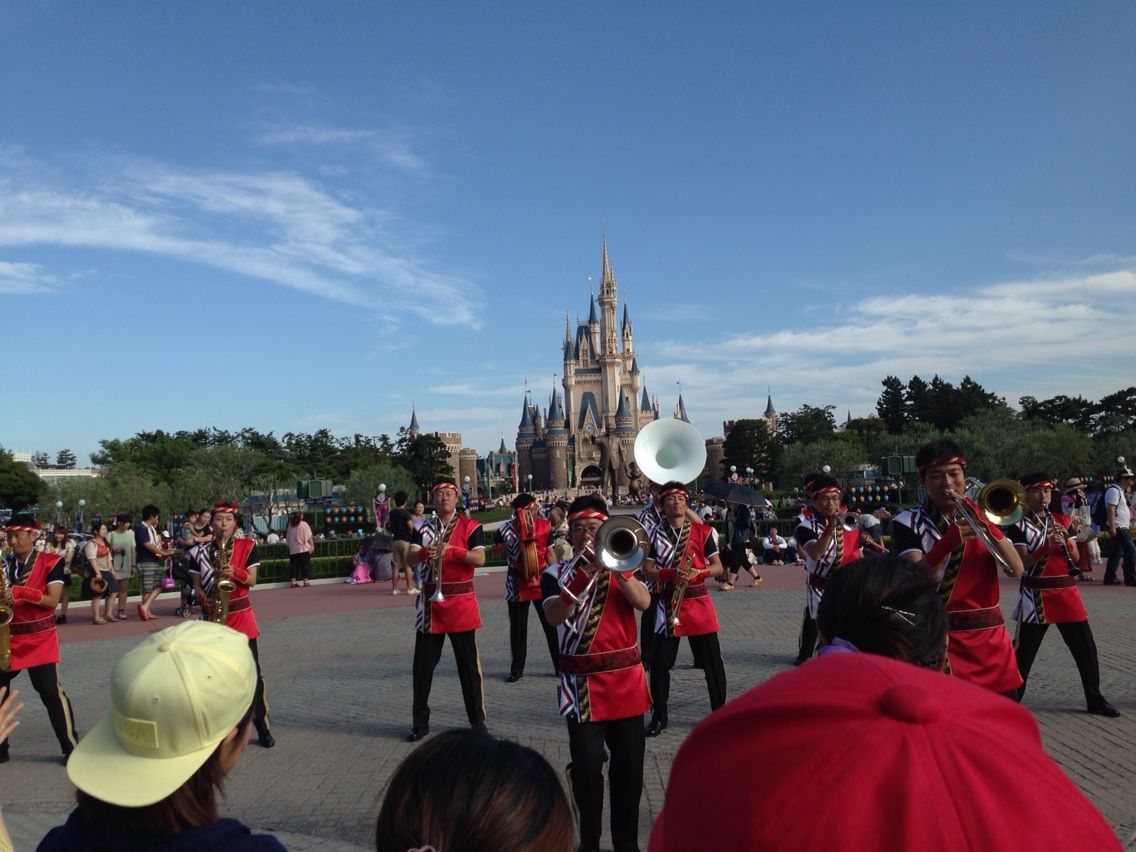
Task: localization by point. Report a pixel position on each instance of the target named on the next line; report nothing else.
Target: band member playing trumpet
(829, 541)
(1049, 594)
(448, 549)
(525, 538)
(682, 556)
(236, 560)
(938, 536)
(30, 588)
(603, 690)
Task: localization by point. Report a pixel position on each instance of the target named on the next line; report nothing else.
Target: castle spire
(607, 278)
(592, 318)
(413, 429)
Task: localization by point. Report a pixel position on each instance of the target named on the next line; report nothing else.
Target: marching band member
(827, 547)
(1049, 593)
(650, 516)
(938, 536)
(227, 557)
(449, 547)
(603, 690)
(682, 556)
(32, 585)
(522, 582)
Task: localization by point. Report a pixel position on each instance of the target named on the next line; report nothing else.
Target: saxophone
(6, 616)
(222, 587)
(682, 580)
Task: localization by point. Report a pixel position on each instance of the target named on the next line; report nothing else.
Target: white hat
(174, 697)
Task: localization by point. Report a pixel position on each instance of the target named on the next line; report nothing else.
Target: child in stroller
(181, 565)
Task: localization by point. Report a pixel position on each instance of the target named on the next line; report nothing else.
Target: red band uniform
(34, 642)
(521, 590)
(978, 648)
(457, 616)
(1049, 595)
(844, 547)
(697, 619)
(650, 517)
(603, 694)
(242, 557)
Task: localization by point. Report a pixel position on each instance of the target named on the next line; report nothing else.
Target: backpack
(1100, 510)
(79, 563)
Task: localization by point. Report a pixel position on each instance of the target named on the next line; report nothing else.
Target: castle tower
(680, 410)
(556, 438)
(467, 466)
(413, 431)
(715, 454)
(526, 437)
(770, 415)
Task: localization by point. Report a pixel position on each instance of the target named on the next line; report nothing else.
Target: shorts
(401, 556)
(151, 573)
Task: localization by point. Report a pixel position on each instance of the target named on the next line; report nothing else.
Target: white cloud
(24, 279)
(392, 146)
(275, 226)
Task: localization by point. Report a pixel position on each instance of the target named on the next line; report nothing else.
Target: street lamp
(82, 503)
(466, 489)
(58, 510)
(529, 478)
(749, 473)
(733, 473)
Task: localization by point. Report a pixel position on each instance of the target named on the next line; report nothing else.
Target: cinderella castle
(590, 429)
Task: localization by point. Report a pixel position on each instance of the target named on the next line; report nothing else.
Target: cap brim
(101, 767)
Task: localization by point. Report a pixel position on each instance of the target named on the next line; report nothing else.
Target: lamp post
(82, 503)
(529, 478)
(749, 474)
(58, 510)
(733, 473)
(466, 489)
(381, 501)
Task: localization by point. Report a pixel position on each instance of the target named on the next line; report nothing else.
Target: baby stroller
(189, 600)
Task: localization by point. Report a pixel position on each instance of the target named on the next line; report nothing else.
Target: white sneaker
(395, 592)
(415, 591)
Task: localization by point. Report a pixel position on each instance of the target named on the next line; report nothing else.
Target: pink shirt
(299, 538)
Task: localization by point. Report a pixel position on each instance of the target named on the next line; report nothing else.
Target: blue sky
(298, 215)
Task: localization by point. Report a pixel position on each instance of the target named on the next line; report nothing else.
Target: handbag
(168, 579)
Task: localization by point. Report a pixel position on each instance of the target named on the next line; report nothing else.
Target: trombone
(1001, 502)
(620, 545)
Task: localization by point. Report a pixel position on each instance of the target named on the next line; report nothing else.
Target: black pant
(1078, 637)
(625, 741)
(519, 635)
(300, 566)
(647, 628)
(259, 700)
(1119, 546)
(809, 635)
(45, 681)
(770, 556)
(665, 652)
(427, 652)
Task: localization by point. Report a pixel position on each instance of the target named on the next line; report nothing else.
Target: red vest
(41, 647)
(243, 620)
(696, 616)
(458, 612)
(529, 589)
(1061, 605)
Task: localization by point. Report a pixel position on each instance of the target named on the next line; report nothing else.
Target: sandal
(99, 621)
(306, 584)
(122, 615)
(294, 585)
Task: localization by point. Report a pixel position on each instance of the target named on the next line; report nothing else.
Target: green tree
(19, 487)
(892, 405)
(871, 432)
(807, 424)
(41, 459)
(65, 459)
(843, 453)
(424, 457)
(917, 400)
(1115, 413)
(363, 484)
(749, 444)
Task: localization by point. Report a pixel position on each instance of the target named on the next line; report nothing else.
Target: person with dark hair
(1049, 593)
(150, 555)
(33, 584)
(301, 546)
(60, 544)
(603, 689)
(187, 693)
(737, 555)
(468, 791)
(237, 560)
(123, 554)
(99, 580)
(402, 531)
(938, 538)
(522, 582)
(828, 545)
(449, 548)
(1118, 522)
(650, 516)
(682, 556)
(884, 605)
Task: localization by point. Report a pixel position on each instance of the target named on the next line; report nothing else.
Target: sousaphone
(670, 451)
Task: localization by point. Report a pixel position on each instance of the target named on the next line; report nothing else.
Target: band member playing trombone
(683, 556)
(30, 588)
(1049, 595)
(942, 536)
(603, 690)
(235, 560)
(448, 550)
(525, 539)
(829, 539)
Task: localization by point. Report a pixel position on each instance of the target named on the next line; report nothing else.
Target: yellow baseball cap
(174, 697)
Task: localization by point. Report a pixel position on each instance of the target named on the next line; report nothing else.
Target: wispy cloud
(392, 146)
(24, 279)
(280, 227)
(675, 312)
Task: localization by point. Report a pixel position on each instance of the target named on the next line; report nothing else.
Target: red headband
(942, 461)
(443, 486)
(831, 489)
(24, 527)
(674, 490)
(1045, 483)
(584, 514)
(222, 506)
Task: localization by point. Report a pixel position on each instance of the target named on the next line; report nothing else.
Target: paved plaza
(337, 662)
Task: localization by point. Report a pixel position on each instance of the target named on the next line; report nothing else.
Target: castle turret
(413, 431)
(624, 420)
(680, 410)
(628, 337)
(770, 415)
(526, 437)
(556, 438)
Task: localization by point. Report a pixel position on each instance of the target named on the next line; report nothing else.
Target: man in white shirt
(1118, 521)
(775, 548)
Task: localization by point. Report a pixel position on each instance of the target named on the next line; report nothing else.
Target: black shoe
(1103, 708)
(4, 758)
(1110, 581)
(1130, 582)
(479, 728)
(266, 740)
(60, 619)
(417, 733)
(656, 727)
(512, 678)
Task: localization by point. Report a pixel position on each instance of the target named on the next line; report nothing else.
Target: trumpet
(1001, 502)
(1047, 531)
(436, 569)
(679, 593)
(6, 616)
(620, 545)
(224, 587)
(846, 521)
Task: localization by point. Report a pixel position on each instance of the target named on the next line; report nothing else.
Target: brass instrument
(620, 545)
(1001, 502)
(6, 616)
(223, 587)
(682, 580)
(436, 568)
(847, 521)
(1050, 527)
